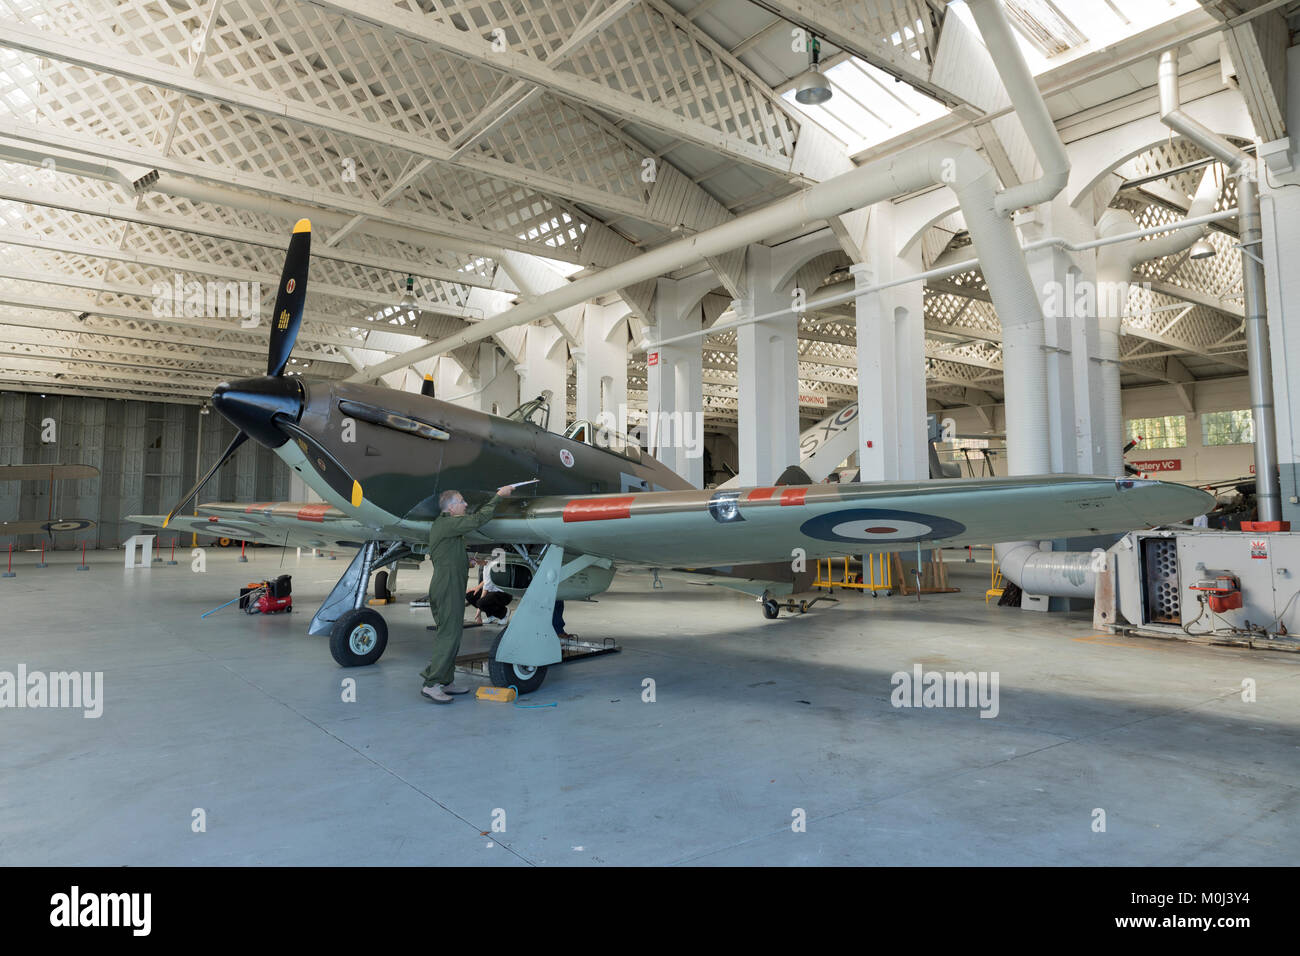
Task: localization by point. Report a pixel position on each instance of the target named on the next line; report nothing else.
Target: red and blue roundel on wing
(880, 526)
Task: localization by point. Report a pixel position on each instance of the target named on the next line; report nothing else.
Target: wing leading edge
(753, 525)
(296, 525)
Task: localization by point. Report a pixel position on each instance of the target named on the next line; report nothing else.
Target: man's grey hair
(447, 499)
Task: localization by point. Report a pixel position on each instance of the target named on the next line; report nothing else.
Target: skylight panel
(868, 105)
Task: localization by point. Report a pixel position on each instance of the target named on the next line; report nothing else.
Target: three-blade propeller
(286, 320)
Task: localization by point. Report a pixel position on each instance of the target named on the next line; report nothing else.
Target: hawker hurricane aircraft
(380, 457)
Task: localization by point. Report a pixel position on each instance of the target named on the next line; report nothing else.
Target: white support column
(1069, 293)
(498, 381)
(891, 359)
(602, 362)
(877, 386)
(1280, 213)
(545, 368)
(675, 374)
(767, 360)
(450, 380)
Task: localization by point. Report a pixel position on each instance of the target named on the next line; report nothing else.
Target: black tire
(803, 607)
(771, 609)
(352, 645)
(381, 586)
(525, 680)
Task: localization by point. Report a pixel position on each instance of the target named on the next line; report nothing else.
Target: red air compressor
(268, 597)
(1222, 592)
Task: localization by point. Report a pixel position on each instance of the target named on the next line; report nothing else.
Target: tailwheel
(771, 609)
(358, 638)
(524, 678)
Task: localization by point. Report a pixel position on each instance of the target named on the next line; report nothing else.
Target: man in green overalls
(447, 587)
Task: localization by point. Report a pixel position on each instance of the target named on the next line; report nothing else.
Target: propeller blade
(189, 495)
(290, 298)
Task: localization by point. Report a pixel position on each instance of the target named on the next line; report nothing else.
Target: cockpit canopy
(537, 412)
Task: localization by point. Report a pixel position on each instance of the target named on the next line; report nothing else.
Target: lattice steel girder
(42, 341)
(143, 329)
(1181, 345)
(182, 264)
(809, 374)
(143, 70)
(60, 372)
(141, 292)
(9, 383)
(63, 357)
(315, 347)
(127, 212)
(847, 26)
(1194, 296)
(468, 45)
(500, 109)
(461, 236)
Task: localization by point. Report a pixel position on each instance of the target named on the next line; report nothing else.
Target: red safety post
(172, 559)
(9, 568)
(242, 558)
(83, 566)
(42, 563)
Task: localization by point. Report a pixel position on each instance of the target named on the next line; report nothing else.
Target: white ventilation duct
(1054, 573)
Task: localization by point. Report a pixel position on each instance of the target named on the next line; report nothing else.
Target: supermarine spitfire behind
(380, 457)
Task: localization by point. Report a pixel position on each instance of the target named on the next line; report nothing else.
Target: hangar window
(1228, 428)
(1170, 431)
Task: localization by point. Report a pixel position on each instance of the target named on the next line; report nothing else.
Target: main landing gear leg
(529, 643)
(358, 634)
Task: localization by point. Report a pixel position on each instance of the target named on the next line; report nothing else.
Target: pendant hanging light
(813, 88)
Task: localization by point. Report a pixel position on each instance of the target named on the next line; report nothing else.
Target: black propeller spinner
(253, 404)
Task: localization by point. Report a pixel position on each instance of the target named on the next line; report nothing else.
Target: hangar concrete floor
(243, 718)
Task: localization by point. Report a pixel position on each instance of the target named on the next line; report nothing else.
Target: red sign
(1161, 464)
(652, 358)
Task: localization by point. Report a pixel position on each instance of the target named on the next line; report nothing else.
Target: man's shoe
(454, 688)
(437, 694)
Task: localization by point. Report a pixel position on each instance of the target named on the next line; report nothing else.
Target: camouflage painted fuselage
(403, 449)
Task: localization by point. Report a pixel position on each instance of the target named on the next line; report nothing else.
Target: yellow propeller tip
(302, 225)
(165, 520)
(356, 494)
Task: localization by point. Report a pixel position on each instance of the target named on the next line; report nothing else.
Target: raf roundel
(72, 524)
(289, 286)
(880, 526)
(566, 456)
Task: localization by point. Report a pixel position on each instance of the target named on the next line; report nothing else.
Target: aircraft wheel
(359, 638)
(771, 609)
(523, 678)
(803, 607)
(381, 585)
